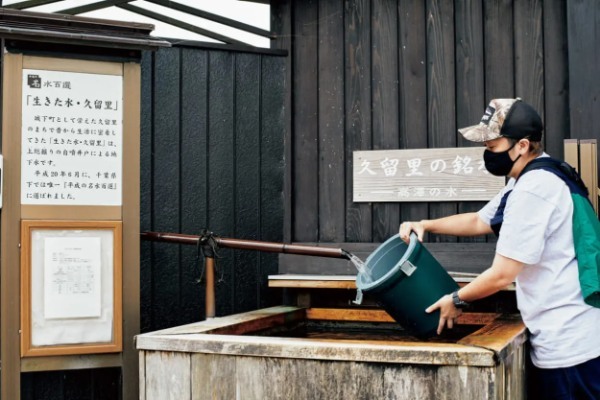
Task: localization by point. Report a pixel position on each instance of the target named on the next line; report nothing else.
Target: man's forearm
(502, 273)
(467, 224)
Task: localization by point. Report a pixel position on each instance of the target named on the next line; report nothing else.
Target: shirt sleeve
(527, 217)
(489, 210)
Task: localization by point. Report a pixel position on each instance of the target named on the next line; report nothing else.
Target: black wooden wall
(389, 74)
(212, 158)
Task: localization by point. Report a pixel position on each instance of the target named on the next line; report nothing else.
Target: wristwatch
(458, 303)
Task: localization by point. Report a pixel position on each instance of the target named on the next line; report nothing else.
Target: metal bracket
(408, 268)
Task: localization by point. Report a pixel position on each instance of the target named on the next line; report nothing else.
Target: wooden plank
(413, 88)
(556, 76)
(410, 382)
(213, 377)
(433, 175)
(87, 66)
(357, 105)
(168, 375)
(305, 196)
(386, 130)
(583, 18)
(470, 89)
(166, 185)
(281, 26)
(312, 284)
(194, 172)
(63, 362)
(146, 188)
(529, 53)
(441, 106)
(10, 381)
(458, 257)
(499, 50)
(348, 282)
(246, 273)
(337, 314)
(142, 374)
(571, 151)
(244, 327)
(331, 187)
(271, 169)
(270, 379)
(384, 351)
(221, 170)
(129, 318)
(455, 383)
(588, 162)
(499, 334)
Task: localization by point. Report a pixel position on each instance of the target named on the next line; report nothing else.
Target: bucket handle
(406, 266)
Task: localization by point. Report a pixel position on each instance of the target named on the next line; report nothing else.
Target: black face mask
(499, 164)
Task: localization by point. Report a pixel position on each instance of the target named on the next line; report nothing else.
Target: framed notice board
(71, 279)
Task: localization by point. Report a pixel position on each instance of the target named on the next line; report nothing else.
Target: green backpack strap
(586, 226)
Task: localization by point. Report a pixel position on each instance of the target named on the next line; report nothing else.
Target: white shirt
(538, 231)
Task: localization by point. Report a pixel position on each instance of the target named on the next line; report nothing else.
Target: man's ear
(524, 144)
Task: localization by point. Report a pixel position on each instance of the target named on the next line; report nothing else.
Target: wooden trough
(297, 353)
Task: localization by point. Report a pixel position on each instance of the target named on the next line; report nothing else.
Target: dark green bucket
(406, 279)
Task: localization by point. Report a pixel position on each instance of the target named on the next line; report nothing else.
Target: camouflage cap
(491, 123)
(511, 118)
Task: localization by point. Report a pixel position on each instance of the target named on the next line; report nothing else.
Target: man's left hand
(448, 313)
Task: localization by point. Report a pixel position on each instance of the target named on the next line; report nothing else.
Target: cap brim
(478, 133)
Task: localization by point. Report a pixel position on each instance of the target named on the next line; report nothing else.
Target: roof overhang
(69, 29)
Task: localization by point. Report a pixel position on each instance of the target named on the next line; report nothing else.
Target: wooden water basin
(297, 353)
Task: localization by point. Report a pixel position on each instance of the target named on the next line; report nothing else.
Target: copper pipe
(210, 287)
(271, 247)
(169, 237)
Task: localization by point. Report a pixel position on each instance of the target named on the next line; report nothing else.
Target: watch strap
(458, 303)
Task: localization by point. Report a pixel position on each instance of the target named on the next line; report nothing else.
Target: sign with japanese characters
(72, 138)
(450, 174)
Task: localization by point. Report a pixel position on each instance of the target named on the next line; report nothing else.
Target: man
(535, 248)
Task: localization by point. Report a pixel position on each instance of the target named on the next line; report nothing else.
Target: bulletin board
(71, 279)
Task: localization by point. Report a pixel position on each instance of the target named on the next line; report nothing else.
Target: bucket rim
(364, 286)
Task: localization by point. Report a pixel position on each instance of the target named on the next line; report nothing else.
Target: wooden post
(11, 212)
(210, 287)
(582, 155)
(588, 161)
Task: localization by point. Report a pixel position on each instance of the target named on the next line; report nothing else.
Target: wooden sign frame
(28, 227)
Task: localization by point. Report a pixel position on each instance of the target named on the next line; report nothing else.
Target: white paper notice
(72, 277)
(71, 138)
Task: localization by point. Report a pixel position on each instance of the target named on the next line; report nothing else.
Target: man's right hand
(412, 226)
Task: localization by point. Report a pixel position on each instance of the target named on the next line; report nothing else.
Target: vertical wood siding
(212, 158)
(388, 74)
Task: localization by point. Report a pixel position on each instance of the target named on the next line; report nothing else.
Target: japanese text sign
(72, 138)
(450, 174)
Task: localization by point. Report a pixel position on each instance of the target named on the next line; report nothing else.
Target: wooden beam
(92, 7)
(213, 17)
(179, 24)
(30, 4)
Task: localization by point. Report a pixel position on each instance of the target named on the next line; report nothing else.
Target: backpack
(586, 226)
